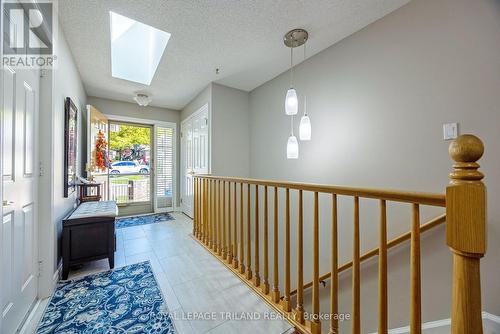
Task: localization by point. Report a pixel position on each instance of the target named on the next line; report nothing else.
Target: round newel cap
(466, 148)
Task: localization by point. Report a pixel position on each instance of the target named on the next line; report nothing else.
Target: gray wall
(126, 109)
(230, 131)
(56, 85)
(377, 102)
(203, 97)
(229, 135)
(119, 108)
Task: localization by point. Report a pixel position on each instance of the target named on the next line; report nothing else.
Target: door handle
(7, 203)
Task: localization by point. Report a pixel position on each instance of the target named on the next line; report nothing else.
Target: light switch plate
(450, 131)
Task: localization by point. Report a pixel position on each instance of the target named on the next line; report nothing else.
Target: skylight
(136, 49)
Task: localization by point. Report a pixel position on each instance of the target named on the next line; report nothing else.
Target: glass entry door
(130, 171)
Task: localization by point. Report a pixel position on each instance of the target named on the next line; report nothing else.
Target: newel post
(466, 233)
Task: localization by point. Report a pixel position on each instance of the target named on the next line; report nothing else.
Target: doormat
(142, 220)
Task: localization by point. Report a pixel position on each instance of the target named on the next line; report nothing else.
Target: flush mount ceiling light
(136, 49)
(142, 99)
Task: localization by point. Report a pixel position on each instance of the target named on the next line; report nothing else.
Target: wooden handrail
(422, 198)
(465, 217)
(374, 252)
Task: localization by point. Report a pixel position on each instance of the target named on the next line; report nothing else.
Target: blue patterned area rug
(124, 300)
(142, 220)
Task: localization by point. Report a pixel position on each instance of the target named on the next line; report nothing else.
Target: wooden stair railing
(228, 237)
(379, 250)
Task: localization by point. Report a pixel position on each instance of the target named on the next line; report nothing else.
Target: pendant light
(305, 125)
(291, 100)
(305, 122)
(293, 39)
(292, 146)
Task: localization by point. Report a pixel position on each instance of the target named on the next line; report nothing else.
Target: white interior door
(19, 223)
(194, 154)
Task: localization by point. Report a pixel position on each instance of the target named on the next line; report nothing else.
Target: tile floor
(192, 281)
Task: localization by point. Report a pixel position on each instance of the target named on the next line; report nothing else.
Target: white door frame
(155, 123)
(184, 121)
(1, 165)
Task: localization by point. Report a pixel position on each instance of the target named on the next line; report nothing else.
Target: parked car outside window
(128, 167)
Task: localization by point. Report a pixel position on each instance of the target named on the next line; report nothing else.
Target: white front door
(19, 223)
(194, 154)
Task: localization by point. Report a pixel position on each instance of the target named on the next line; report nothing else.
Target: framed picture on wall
(70, 146)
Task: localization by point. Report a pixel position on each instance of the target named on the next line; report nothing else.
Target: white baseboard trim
(26, 328)
(56, 276)
(491, 324)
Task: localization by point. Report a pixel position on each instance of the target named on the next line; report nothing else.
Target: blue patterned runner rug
(124, 300)
(142, 220)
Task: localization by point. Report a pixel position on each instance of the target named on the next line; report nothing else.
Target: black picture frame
(70, 146)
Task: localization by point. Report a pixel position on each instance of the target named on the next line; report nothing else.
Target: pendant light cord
(291, 125)
(305, 97)
(291, 67)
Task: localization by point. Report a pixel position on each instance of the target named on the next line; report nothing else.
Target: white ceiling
(243, 38)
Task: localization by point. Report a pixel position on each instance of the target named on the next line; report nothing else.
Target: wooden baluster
(256, 276)
(382, 270)
(203, 208)
(198, 208)
(207, 214)
(249, 231)
(214, 217)
(224, 248)
(276, 276)
(219, 220)
(415, 295)
(229, 245)
(299, 309)
(200, 212)
(242, 234)
(315, 322)
(210, 212)
(334, 287)
(286, 298)
(265, 286)
(466, 233)
(195, 217)
(205, 229)
(356, 295)
(235, 246)
(215, 223)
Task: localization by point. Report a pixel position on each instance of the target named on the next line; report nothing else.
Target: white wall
(56, 85)
(377, 102)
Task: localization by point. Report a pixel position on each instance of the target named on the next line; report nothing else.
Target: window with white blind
(165, 138)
